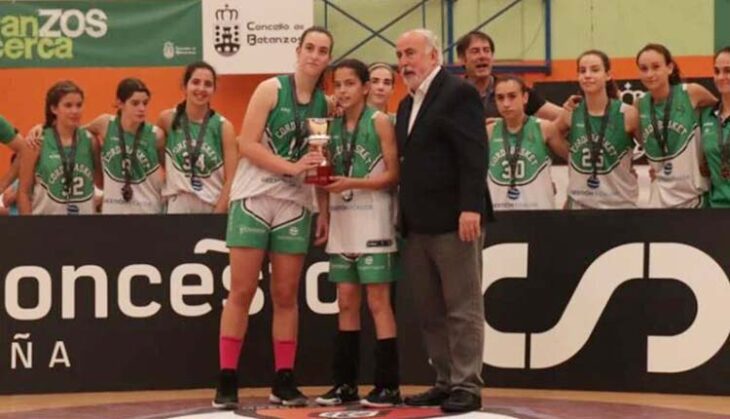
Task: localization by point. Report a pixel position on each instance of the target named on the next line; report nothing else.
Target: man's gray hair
(431, 40)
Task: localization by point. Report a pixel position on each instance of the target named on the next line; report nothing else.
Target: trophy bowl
(318, 140)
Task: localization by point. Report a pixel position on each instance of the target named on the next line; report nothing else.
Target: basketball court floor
(498, 404)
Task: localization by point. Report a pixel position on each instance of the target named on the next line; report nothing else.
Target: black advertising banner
(611, 300)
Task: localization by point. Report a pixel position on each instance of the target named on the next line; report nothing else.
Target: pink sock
(284, 353)
(229, 350)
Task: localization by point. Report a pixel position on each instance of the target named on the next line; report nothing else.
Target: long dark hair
(318, 29)
(611, 86)
(54, 96)
(676, 76)
(189, 70)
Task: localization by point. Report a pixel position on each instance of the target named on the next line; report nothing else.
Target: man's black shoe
(461, 401)
(434, 396)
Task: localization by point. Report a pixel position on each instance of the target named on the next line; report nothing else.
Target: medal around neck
(593, 182)
(72, 209)
(196, 183)
(127, 193)
(318, 139)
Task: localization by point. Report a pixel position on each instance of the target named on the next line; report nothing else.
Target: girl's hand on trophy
(308, 161)
(339, 184)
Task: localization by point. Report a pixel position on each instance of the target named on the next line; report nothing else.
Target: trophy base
(319, 176)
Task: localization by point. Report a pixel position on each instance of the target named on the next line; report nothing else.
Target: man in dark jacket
(443, 202)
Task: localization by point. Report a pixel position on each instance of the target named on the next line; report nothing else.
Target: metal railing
(447, 31)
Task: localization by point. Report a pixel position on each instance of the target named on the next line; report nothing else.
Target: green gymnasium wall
(620, 27)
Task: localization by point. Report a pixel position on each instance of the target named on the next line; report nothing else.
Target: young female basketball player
(668, 116)
(58, 177)
(519, 160)
(201, 150)
(131, 152)
(716, 134)
(600, 130)
(361, 243)
(10, 137)
(270, 213)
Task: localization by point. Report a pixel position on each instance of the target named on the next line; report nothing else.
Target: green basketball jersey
(49, 195)
(7, 131)
(533, 184)
(720, 185)
(208, 166)
(678, 180)
(146, 179)
(361, 220)
(614, 185)
(280, 132)
(366, 152)
(280, 137)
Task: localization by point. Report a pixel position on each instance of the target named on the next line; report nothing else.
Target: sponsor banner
(583, 300)
(100, 33)
(248, 37)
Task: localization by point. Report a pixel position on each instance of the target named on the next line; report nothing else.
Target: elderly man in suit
(443, 203)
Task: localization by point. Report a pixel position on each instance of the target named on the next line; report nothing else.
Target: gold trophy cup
(318, 140)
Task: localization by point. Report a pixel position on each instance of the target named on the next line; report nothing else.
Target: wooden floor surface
(26, 403)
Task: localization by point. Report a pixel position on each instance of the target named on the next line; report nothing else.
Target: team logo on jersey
(293, 231)
(226, 30)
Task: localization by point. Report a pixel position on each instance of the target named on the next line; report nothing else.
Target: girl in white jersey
(361, 244)
(200, 148)
(270, 214)
(669, 129)
(132, 169)
(132, 151)
(519, 159)
(58, 177)
(600, 131)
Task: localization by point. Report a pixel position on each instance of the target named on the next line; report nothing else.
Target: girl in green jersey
(362, 242)
(518, 164)
(600, 129)
(58, 178)
(131, 153)
(200, 147)
(270, 215)
(669, 127)
(10, 137)
(716, 134)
